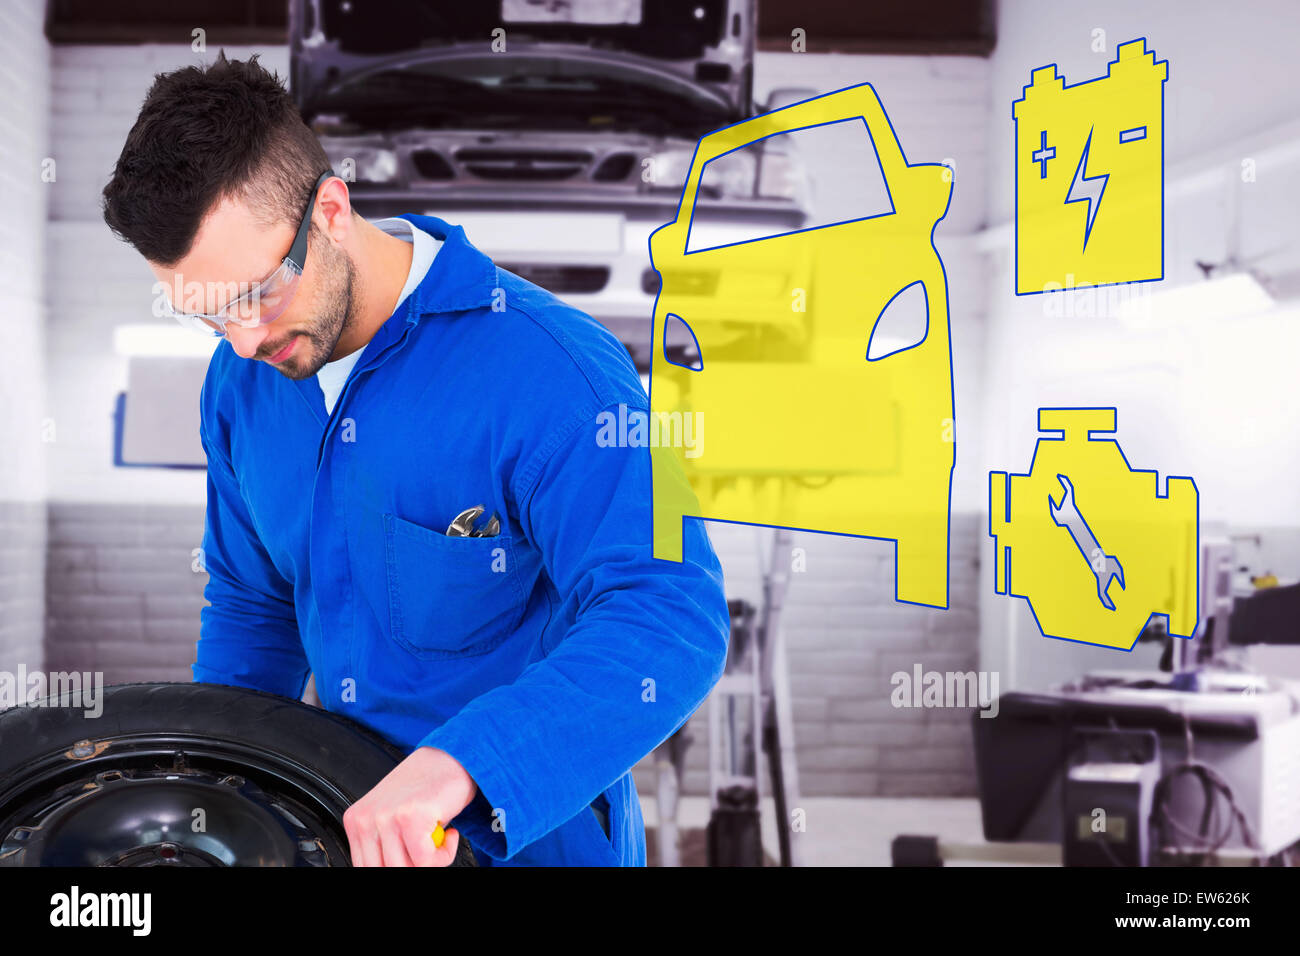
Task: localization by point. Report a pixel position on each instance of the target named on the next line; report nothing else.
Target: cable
(1110, 854)
(1212, 785)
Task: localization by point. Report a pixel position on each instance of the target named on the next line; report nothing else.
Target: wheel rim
(170, 800)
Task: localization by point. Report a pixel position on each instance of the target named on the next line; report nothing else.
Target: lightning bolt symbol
(1087, 189)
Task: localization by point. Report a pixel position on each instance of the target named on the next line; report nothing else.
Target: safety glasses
(264, 303)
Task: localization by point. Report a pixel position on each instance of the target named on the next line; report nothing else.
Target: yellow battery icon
(1089, 175)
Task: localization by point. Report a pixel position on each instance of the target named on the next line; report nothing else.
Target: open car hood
(706, 43)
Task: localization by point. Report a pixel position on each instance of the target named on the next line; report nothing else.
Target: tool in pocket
(462, 526)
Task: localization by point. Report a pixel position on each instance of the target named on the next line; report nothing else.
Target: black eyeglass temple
(298, 251)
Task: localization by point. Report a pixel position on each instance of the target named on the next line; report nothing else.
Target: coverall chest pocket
(449, 597)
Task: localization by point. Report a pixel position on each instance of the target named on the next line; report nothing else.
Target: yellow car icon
(796, 404)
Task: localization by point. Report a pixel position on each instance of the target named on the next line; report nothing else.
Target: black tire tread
(354, 757)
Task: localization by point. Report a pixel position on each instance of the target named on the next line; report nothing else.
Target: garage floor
(843, 831)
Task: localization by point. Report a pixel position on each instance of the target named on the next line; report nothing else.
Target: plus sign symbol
(1043, 154)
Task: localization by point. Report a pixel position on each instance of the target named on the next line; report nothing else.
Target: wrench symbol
(1104, 566)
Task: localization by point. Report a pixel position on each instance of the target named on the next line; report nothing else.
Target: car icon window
(680, 345)
(845, 182)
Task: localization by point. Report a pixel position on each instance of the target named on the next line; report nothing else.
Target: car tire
(267, 777)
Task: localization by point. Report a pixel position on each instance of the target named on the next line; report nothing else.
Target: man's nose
(246, 342)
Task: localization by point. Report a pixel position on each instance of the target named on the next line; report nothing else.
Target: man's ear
(334, 204)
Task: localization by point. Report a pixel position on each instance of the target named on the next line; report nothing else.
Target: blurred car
(558, 133)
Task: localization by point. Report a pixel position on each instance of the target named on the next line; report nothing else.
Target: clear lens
(267, 301)
(259, 306)
(199, 324)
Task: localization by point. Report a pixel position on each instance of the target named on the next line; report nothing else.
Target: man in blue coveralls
(374, 381)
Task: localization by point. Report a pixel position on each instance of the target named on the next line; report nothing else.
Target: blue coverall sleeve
(647, 644)
(248, 635)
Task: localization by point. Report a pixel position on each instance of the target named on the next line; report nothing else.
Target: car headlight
(667, 169)
(728, 175)
(731, 175)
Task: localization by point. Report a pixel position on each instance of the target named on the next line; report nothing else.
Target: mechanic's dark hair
(204, 134)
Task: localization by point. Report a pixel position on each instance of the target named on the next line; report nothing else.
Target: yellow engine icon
(1090, 542)
(1089, 168)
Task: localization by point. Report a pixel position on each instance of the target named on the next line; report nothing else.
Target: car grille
(521, 164)
(430, 164)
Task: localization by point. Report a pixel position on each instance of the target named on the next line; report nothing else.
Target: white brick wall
(845, 637)
(938, 106)
(97, 92)
(122, 595)
(24, 147)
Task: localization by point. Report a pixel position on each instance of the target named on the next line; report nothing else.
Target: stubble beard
(334, 309)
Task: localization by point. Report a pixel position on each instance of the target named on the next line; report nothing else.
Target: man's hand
(392, 825)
